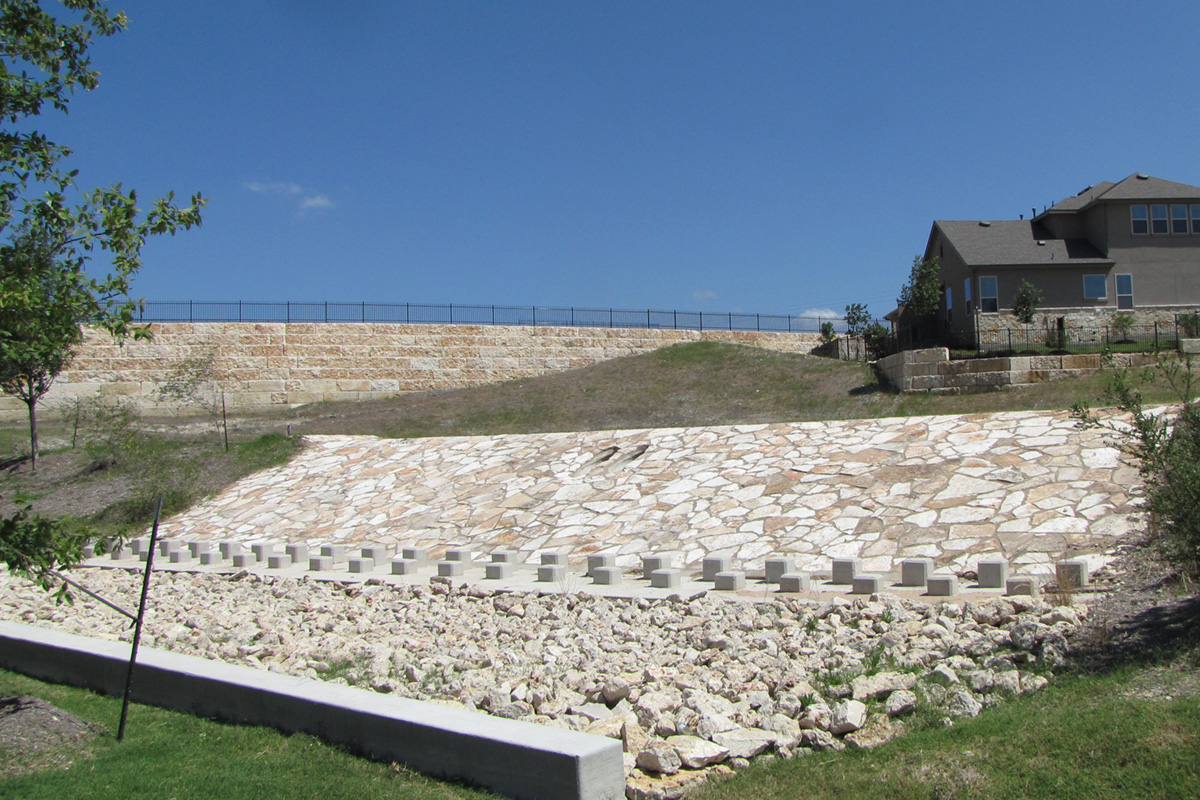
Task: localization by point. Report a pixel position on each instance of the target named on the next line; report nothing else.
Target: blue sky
(763, 157)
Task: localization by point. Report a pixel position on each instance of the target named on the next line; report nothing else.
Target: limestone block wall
(280, 364)
(931, 370)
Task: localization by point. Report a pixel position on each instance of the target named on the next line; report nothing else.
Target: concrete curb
(513, 758)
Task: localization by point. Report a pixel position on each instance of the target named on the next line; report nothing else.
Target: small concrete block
(730, 581)
(279, 561)
(377, 553)
(405, 566)
(361, 564)
(498, 570)
(665, 578)
(554, 559)
(138, 546)
(210, 557)
(196, 548)
(229, 549)
(168, 546)
(652, 564)
(600, 561)
(335, 551)
(915, 571)
(866, 584)
(776, 568)
(320, 564)
(89, 551)
(941, 585)
(417, 554)
(181, 556)
(504, 557)
(298, 552)
(992, 574)
(448, 569)
(459, 554)
(117, 553)
(607, 576)
(243, 560)
(845, 570)
(1071, 574)
(551, 573)
(263, 550)
(1023, 585)
(714, 565)
(795, 582)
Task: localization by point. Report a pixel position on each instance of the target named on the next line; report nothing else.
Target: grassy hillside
(696, 384)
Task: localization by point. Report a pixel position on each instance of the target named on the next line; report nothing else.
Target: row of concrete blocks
(602, 568)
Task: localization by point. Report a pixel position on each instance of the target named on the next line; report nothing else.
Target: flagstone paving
(1026, 486)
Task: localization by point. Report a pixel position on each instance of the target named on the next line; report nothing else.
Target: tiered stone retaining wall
(931, 370)
(275, 364)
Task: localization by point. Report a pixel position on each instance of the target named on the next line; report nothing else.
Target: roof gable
(1135, 187)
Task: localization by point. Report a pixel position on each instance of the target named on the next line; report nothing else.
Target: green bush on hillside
(1167, 448)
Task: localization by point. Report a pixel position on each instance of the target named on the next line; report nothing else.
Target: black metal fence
(406, 313)
(1131, 338)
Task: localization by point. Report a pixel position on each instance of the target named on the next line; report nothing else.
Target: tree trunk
(33, 442)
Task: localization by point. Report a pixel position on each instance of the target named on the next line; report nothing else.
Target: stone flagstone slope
(1024, 485)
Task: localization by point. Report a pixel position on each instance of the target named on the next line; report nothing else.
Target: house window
(967, 290)
(1095, 287)
(1179, 219)
(1140, 218)
(1158, 219)
(1196, 219)
(988, 302)
(949, 305)
(1124, 291)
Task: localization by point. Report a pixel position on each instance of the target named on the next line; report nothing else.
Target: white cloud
(700, 295)
(277, 187)
(825, 313)
(317, 201)
(305, 199)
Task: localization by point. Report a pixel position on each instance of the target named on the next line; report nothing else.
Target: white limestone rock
(850, 715)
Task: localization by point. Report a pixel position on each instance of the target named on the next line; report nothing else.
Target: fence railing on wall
(1136, 338)
(409, 313)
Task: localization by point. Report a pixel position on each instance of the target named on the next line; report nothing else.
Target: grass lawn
(1085, 737)
(170, 755)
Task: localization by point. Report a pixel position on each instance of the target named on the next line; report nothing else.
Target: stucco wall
(263, 364)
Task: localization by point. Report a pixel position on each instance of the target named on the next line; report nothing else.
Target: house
(1131, 247)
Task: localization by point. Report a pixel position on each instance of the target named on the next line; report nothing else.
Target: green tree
(54, 229)
(922, 295)
(1025, 304)
(857, 319)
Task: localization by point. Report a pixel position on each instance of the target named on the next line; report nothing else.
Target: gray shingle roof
(1135, 187)
(1015, 243)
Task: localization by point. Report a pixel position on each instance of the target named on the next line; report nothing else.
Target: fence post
(452, 313)
(327, 311)
(364, 310)
(647, 319)
(610, 318)
(675, 320)
(1156, 336)
(493, 314)
(1010, 347)
(288, 313)
(239, 310)
(758, 322)
(191, 317)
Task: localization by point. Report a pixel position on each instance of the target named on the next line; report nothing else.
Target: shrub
(1168, 451)
(1025, 304)
(827, 332)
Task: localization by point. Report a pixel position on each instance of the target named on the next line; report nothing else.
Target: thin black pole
(137, 629)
